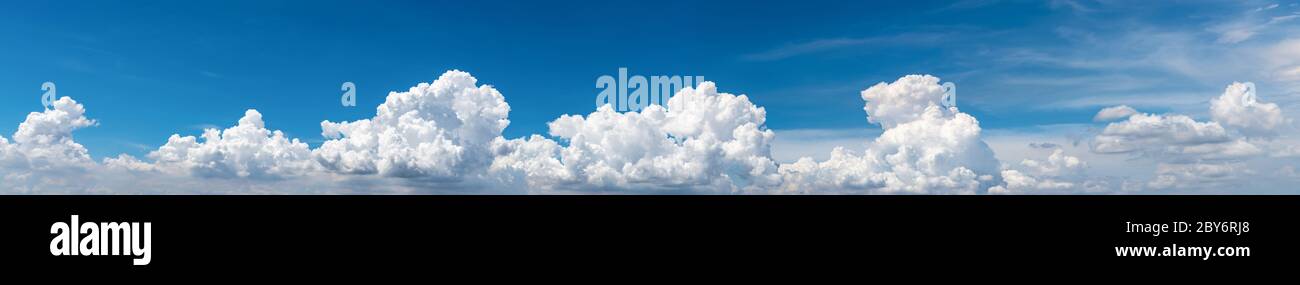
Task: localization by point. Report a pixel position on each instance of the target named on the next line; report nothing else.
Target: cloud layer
(446, 137)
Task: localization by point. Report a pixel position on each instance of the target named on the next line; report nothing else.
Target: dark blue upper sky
(148, 69)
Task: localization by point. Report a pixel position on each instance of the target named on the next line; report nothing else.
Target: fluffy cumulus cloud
(44, 139)
(703, 141)
(1193, 153)
(441, 130)
(246, 150)
(420, 141)
(1160, 136)
(1239, 108)
(1059, 173)
(43, 157)
(925, 148)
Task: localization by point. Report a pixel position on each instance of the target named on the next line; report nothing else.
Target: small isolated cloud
(925, 148)
(1114, 113)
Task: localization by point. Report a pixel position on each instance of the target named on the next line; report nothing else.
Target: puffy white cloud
(905, 100)
(1114, 113)
(1237, 108)
(43, 157)
(44, 139)
(246, 150)
(441, 130)
(1181, 138)
(1058, 164)
(1196, 154)
(8, 152)
(1157, 133)
(845, 172)
(702, 141)
(925, 148)
(129, 163)
(420, 141)
(1059, 172)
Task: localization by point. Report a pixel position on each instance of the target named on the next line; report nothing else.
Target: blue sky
(148, 69)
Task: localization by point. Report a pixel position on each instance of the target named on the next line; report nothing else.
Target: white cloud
(1238, 110)
(441, 130)
(704, 141)
(925, 148)
(1058, 164)
(43, 157)
(1021, 183)
(1179, 137)
(1059, 173)
(243, 159)
(903, 101)
(792, 144)
(246, 150)
(443, 137)
(1157, 133)
(1195, 154)
(45, 138)
(1114, 113)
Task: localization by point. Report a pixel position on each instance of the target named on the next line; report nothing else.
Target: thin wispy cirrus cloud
(832, 44)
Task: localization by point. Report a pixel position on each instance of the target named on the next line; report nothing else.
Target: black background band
(487, 236)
